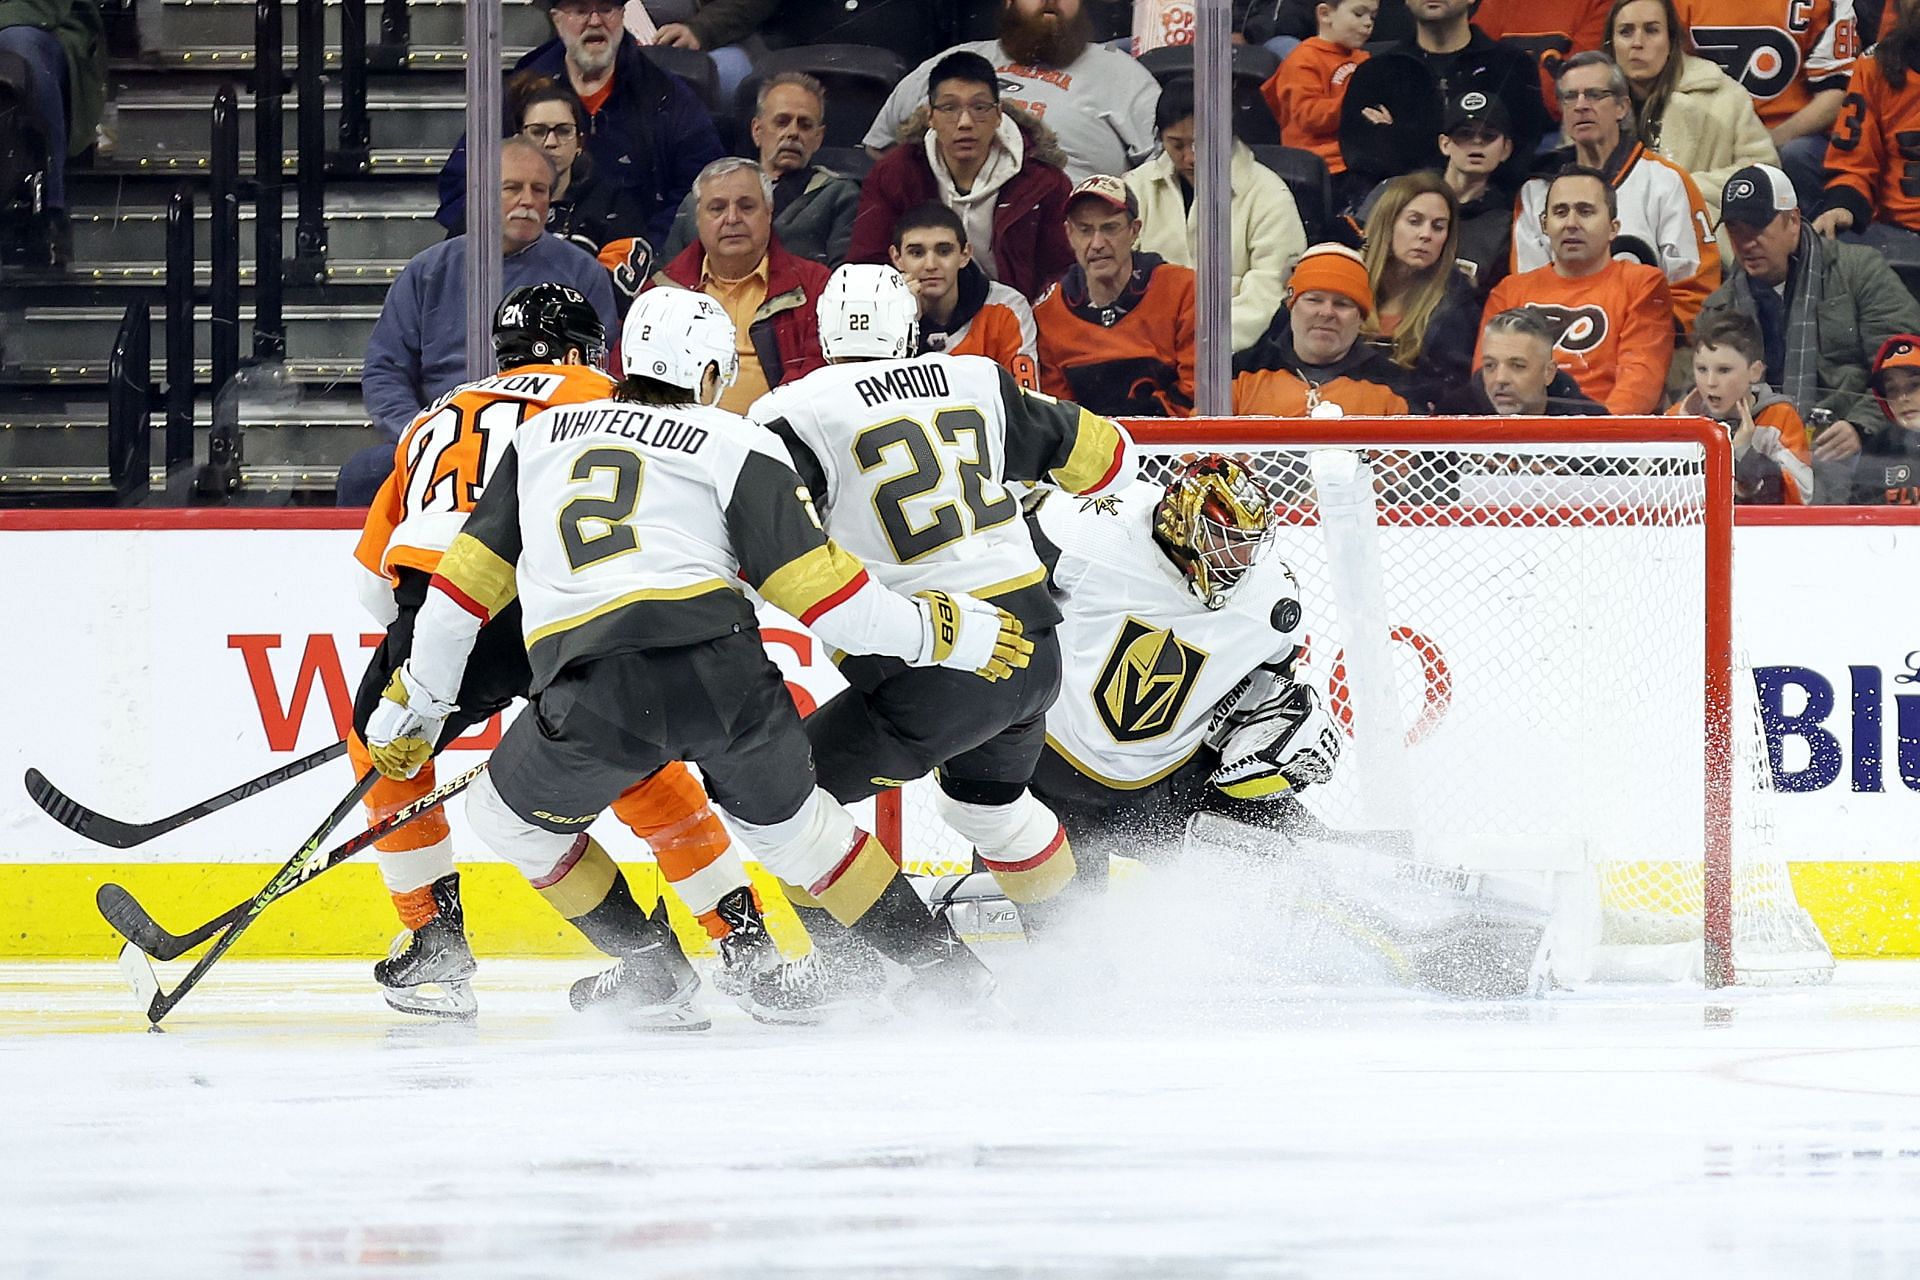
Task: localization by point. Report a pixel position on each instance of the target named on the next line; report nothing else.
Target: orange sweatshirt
(1305, 96)
(1615, 328)
(1754, 474)
(1874, 156)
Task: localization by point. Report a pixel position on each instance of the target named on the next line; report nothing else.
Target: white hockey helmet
(672, 335)
(867, 311)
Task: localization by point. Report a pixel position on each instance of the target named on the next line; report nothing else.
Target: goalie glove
(969, 634)
(1284, 743)
(403, 728)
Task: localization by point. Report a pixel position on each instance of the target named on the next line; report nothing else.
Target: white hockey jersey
(1144, 661)
(628, 526)
(908, 459)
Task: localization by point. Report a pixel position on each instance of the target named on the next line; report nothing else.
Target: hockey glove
(971, 635)
(403, 728)
(1289, 744)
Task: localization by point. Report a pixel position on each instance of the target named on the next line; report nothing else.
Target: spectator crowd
(1700, 207)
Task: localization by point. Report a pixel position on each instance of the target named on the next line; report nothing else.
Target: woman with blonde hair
(1687, 108)
(1425, 312)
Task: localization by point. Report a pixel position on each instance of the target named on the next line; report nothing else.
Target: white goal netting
(1517, 631)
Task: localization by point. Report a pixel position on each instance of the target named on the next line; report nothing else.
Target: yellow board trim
(706, 586)
(481, 575)
(1864, 909)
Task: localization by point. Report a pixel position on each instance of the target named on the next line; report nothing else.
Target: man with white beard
(418, 349)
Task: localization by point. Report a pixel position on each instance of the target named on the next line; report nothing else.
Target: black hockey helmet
(540, 323)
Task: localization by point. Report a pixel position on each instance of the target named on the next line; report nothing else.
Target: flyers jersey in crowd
(908, 459)
(1550, 30)
(1873, 158)
(1781, 51)
(1613, 330)
(449, 452)
(1144, 660)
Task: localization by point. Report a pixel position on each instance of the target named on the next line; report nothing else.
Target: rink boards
(160, 657)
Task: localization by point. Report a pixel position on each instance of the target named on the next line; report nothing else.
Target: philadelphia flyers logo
(1577, 330)
(1763, 59)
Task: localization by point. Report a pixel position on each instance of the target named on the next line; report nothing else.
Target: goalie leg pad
(1022, 844)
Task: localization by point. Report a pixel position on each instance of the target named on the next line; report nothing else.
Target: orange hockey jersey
(1781, 51)
(1787, 480)
(1551, 31)
(1874, 157)
(1615, 329)
(1305, 96)
(446, 456)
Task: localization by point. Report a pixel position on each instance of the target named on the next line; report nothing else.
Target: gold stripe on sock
(584, 885)
(858, 882)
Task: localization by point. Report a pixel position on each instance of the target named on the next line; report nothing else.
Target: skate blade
(454, 1000)
(864, 1012)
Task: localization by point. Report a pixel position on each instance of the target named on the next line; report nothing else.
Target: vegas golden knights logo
(1145, 681)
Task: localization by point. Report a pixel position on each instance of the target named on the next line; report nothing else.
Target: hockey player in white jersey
(907, 460)
(625, 527)
(1181, 626)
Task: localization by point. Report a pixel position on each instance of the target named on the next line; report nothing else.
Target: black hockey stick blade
(299, 869)
(115, 834)
(132, 922)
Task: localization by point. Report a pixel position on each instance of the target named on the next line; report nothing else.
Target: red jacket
(786, 330)
(1029, 215)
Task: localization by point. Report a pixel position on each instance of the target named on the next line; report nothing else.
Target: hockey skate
(949, 982)
(427, 971)
(650, 987)
(747, 950)
(818, 987)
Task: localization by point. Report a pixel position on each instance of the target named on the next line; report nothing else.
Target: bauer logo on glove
(971, 635)
(1286, 743)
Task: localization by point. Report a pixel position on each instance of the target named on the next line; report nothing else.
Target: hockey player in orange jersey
(1613, 320)
(1772, 461)
(549, 343)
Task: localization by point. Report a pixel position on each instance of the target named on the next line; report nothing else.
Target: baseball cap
(1754, 195)
(1110, 189)
(1476, 106)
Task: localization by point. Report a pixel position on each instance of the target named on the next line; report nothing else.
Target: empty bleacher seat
(1306, 176)
(857, 77)
(693, 66)
(1252, 66)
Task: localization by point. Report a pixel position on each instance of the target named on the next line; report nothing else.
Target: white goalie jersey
(1144, 661)
(908, 462)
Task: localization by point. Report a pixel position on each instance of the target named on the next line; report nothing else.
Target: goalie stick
(115, 834)
(303, 866)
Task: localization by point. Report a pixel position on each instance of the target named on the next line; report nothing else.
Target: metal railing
(221, 476)
(130, 407)
(179, 336)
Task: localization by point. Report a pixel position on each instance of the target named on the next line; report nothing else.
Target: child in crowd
(1476, 138)
(1772, 461)
(1889, 471)
(1305, 93)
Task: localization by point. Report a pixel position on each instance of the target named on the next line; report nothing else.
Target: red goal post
(1448, 491)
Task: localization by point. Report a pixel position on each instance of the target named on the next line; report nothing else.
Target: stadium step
(175, 25)
(159, 123)
(36, 336)
(354, 238)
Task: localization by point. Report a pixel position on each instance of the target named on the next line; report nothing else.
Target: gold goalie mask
(1215, 522)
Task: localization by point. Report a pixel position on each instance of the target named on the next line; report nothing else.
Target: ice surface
(288, 1124)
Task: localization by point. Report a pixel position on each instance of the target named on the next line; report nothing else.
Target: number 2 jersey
(625, 527)
(908, 461)
(1144, 662)
(447, 455)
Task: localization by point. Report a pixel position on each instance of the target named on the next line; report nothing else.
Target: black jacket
(1564, 399)
(1403, 80)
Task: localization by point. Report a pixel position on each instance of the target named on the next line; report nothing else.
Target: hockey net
(1525, 626)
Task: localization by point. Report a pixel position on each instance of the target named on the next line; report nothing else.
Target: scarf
(1799, 372)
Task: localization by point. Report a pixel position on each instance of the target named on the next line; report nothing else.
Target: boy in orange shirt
(1306, 92)
(1772, 461)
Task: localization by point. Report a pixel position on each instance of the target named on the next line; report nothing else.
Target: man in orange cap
(1312, 363)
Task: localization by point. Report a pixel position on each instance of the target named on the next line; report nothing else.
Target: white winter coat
(1267, 236)
(1709, 129)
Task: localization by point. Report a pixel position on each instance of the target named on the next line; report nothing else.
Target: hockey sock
(1021, 843)
(415, 856)
(695, 855)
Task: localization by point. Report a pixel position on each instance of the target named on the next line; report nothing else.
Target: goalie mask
(540, 323)
(673, 335)
(867, 312)
(1214, 522)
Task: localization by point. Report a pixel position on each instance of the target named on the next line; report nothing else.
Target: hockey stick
(300, 868)
(115, 834)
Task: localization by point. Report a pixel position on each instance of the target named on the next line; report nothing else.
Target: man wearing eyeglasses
(1659, 205)
(647, 131)
(995, 168)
